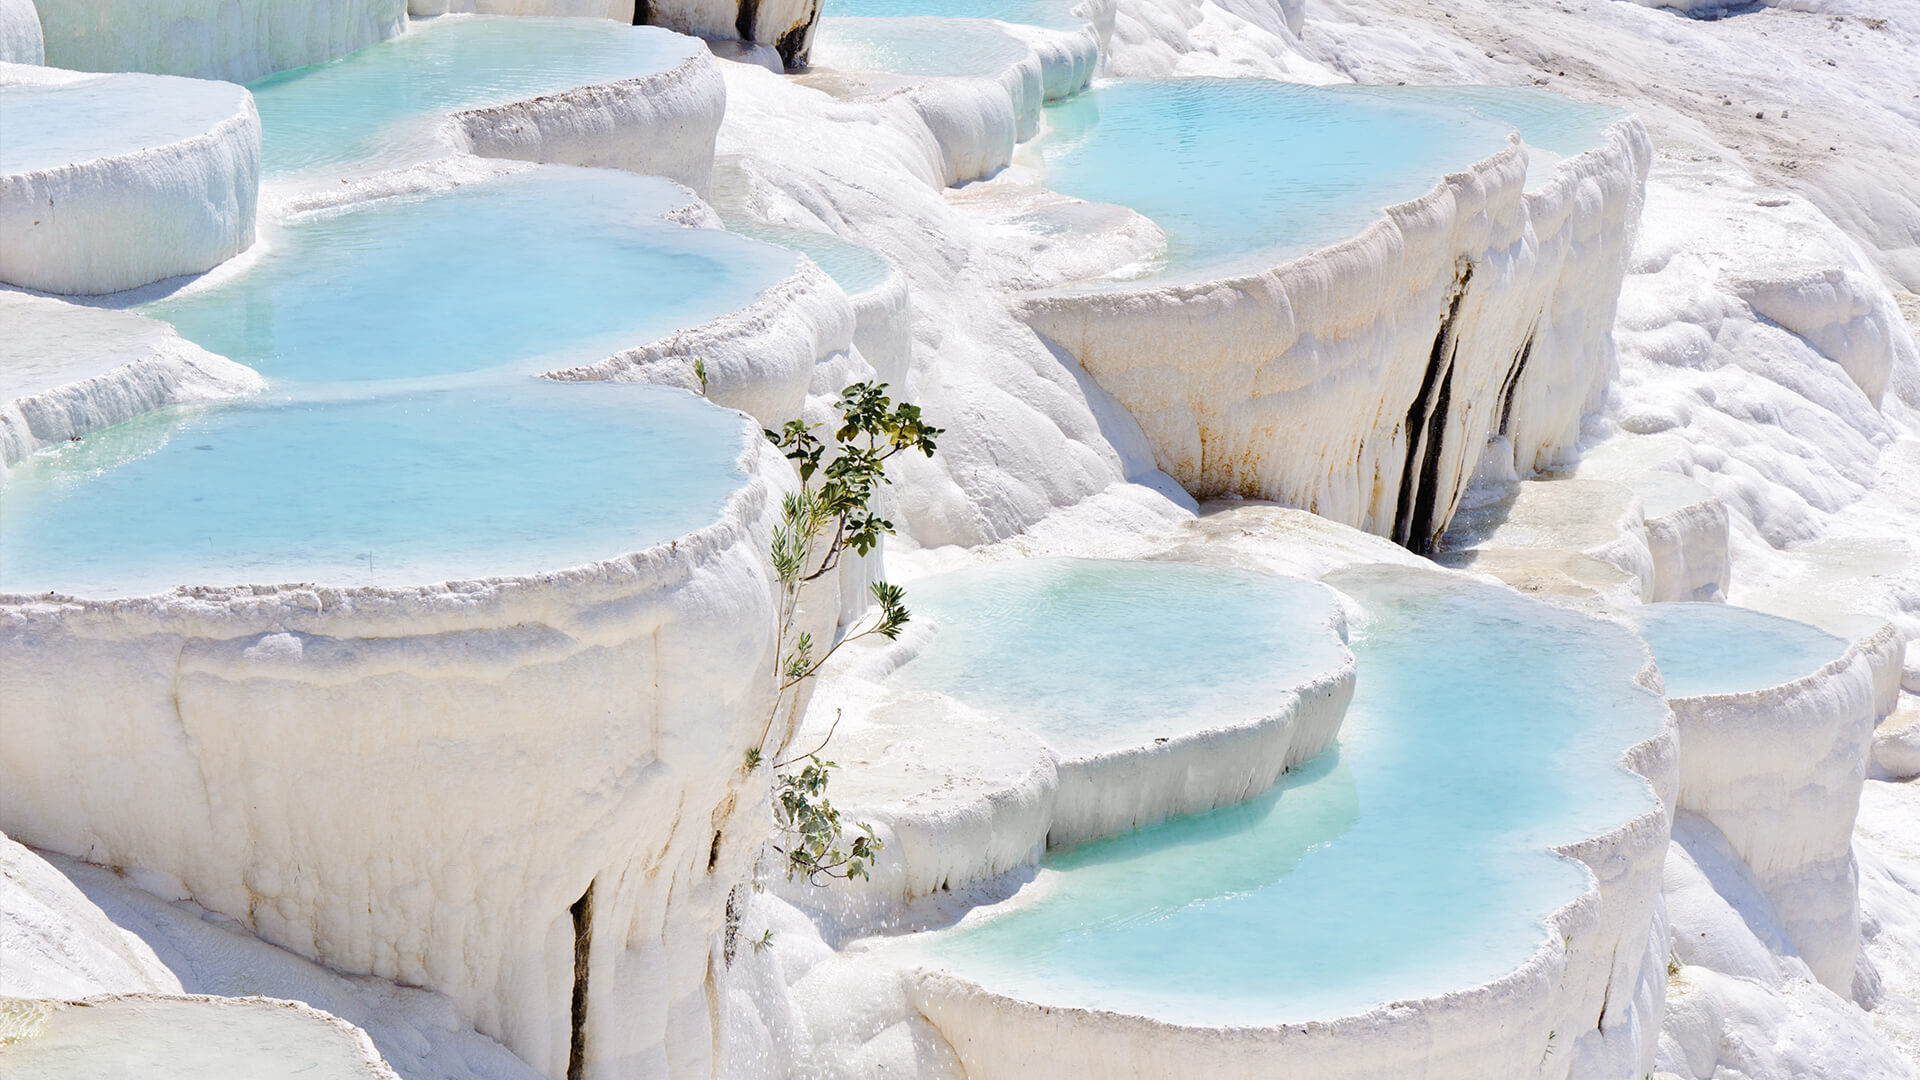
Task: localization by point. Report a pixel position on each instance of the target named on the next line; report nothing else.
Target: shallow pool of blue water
(48, 126)
(1410, 861)
(1722, 649)
(385, 104)
(536, 271)
(1231, 169)
(1097, 655)
(515, 476)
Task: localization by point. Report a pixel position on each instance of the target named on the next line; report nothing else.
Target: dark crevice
(1438, 378)
(731, 940)
(642, 12)
(1512, 382)
(582, 911)
(744, 20)
(1422, 530)
(713, 853)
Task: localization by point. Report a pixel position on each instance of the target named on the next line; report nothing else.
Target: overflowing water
(854, 268)
(1095, 655)
(1722, 649)
(1412, 860)
(387, 104)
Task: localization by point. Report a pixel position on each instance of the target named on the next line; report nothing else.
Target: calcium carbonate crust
(960, 798)
(1778, 771)
(1592, 994)
(340, 1050)
(1296, 382)
(662, 124)
(157, 368)
(235, 40)
(419, 783)
(761, 359)
(126, 220)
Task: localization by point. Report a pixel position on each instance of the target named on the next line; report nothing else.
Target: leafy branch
(831, 514)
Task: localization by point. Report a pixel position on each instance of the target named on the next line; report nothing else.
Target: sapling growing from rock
(831, 514)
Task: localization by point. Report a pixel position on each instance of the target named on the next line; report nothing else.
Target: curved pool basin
(510, 477)
(1705, 648)
(1097, 655)
(1052, 14)
(55, 124)
(386, 104)
(1414, 860)
(535, 271)
(855, 269)
(934, 48)
(1231, 169)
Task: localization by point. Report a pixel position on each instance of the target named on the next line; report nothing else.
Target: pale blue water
(854, 268)
(512, 477)
(1098, 655)
(1233, 168)
(928, 47)
(1411, 861)
(45, 127)
(1543, 118)
(383, 104)
(1722, 649)
(540, 270)
(1057, 14)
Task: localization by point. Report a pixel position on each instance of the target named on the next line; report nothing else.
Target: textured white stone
(1295, 382)
(1778, 772)
(126, 219)
(68, 370)
(236, 40)
(662, 124)
(417, 783)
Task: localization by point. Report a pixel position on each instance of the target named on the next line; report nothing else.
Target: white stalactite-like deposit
(236, 40)
(424, 783)
(1296, 384)
(1778, 772)
(132, 217)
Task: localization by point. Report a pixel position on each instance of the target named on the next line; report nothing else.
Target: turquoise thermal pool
(1721, 649)
(403, 439)
(50, 125)
(1054, 14)
(1236, 168)
(1411, 861)
(1058, 646)
(516, 477)
(536, 271)
(385, 104)
(854, 268)
(925, 47)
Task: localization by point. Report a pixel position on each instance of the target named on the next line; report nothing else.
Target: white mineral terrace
(1416, 576)
(112, 181)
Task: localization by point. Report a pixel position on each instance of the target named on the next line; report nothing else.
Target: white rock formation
(1778, 772)
(662, 124)
(59, 945)
(124, 213)
(330, 763)
(20, 41)
(785, 25)
(1297, 383)
(236, 40)
(67, 370)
